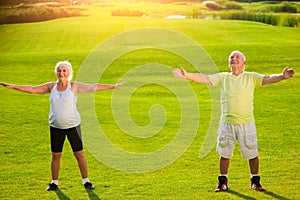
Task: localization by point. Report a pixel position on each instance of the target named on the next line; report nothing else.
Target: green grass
(29, 53)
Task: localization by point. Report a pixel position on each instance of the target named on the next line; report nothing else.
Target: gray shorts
(244, 133)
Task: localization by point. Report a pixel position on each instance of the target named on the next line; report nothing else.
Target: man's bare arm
(286, 74)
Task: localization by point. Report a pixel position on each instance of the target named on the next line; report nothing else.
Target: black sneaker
(89, 186)
(255, 184)
(222, 184)
(51, 187)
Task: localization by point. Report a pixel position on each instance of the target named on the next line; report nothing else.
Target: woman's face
(62, 73)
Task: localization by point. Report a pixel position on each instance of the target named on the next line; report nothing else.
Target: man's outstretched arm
(286, 74)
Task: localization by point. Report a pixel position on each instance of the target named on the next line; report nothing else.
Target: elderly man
(237, 119)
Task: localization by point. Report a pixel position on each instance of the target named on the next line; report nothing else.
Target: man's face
(236, 60)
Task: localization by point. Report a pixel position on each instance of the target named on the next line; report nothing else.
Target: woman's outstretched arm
(38, 89)
(84, 88)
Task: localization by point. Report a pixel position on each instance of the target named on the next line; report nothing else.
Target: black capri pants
(58, 136)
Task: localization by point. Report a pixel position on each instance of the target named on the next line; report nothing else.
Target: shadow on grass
(242, 196)
(61, 195)
(92, 195)
(275, 196)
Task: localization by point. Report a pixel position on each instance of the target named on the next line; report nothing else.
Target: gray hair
(238, 52)
(66, 64)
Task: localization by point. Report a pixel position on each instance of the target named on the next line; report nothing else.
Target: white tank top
(63, 110)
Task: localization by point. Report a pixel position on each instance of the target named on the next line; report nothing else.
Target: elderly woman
(64, 118)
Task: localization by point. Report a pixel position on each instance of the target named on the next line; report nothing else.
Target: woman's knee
(56, 156)
(79, 154)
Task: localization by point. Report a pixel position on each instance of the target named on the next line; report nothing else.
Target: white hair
(66, 64)
(238, 52)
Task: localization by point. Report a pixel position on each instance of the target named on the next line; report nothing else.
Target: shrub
(194, 13)
(233, 6)
(284, 7)
(212, 5)
(36, 14)
(268, 18)
(289, 20)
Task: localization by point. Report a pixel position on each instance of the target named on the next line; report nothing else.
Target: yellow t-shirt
(237, 95)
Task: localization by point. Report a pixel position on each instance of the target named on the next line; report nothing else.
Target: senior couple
(237, 120)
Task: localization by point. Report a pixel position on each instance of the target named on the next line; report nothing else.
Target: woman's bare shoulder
(50, 85)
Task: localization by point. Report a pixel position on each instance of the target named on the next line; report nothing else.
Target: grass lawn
(29, 52)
